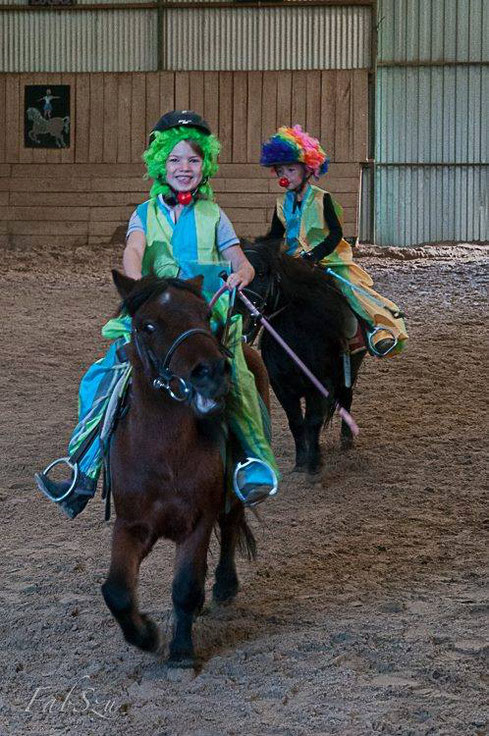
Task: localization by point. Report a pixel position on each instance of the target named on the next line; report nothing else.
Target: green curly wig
(156, 155)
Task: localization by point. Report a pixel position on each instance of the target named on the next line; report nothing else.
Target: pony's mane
(311, 290)
(149, 288)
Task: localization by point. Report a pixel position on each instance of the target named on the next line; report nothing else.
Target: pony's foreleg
(316, 409)
(345, 397)
(231, 525)
(130, 545)
(291, 404)
(188, 592)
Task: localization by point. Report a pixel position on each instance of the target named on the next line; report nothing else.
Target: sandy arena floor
(367, 609)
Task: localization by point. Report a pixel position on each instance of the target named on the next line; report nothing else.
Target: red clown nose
(184, 198)
(284, 182)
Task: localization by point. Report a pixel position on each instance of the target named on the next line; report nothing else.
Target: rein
(273, 294)
(271, 297)
(258, 316)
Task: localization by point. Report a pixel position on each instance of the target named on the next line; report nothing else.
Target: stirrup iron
(273, 483)
(72, 486)
(371, 346)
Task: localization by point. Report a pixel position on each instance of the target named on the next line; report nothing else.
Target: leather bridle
(267, 301)
(165, 376)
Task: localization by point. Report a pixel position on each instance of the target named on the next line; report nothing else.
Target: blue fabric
(95, 387)
(293, 220)
(184, 239)
(212, 279)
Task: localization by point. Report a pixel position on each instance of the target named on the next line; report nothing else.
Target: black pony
(309, 312)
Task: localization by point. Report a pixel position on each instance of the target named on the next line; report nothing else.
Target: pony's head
(264, 255)
(173, 348)
(284, 282)
(263, 292)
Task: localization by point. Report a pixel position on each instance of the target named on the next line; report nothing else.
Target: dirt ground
(367, 609)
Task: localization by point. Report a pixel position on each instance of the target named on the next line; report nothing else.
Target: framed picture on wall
(47, 116)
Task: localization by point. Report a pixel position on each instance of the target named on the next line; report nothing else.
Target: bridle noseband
(165, 377)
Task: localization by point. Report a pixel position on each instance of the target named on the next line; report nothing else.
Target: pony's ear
(124, 284)
(196, 282)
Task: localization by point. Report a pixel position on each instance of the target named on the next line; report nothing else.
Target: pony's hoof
(224, 595)
(314, 471)
(299, 469)
(346, 443)
(179, 674)
(314, 475)
(224, 600)
(182, 662)
(148, 637)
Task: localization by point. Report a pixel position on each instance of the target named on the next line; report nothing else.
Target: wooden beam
(182, 5)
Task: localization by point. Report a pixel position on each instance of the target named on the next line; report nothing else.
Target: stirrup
(272, 484)
(71, 488)
(371, 346)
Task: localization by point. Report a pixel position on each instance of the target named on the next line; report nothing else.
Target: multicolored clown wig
(163, 143)
(295, 146)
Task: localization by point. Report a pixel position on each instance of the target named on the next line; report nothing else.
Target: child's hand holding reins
(242, 277)
(243, 272)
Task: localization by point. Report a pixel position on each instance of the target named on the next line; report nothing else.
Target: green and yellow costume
(305, 228)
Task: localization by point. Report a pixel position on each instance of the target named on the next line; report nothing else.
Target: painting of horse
(55, 127)
(308, 311)
(166, 460)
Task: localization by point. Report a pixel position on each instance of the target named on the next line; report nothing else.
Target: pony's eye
(149, 327)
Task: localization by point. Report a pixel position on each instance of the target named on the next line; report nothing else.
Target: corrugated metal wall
(272, 38)
(437, 30)
(432, 107)
(78, 41)
(91, 2)
(201, 39)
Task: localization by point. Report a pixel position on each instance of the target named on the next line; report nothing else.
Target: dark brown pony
(166, 460)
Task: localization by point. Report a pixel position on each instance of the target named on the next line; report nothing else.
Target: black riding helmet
(180, 119)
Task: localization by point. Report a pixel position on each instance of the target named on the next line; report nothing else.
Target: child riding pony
(309, 220)
(179, 232)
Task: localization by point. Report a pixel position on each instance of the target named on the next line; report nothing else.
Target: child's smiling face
(293, 172)
(184, 168)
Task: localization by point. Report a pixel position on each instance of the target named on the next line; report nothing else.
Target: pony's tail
(246, 540)
(66, 124)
